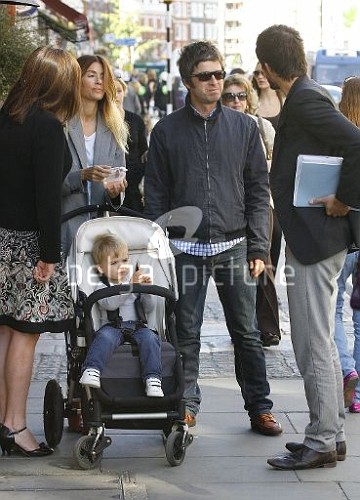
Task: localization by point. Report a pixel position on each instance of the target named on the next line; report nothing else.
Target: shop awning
(63, 19)
(20, 2)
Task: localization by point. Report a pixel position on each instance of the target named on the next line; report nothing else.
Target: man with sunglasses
(317, 239)
(209, 157)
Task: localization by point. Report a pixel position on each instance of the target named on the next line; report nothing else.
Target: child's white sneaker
(91, 377)
(153, 388)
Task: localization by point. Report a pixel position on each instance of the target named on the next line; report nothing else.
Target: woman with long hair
(350, 361)
(270, 101)
(239, 94)
(34, 292)
(137, 149)
(97, 139)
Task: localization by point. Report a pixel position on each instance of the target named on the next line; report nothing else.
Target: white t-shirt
(89, 148)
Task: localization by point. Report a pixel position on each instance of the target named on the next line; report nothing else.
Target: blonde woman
(97, 139)
(239, 94)
(267, 133)
(137, 149)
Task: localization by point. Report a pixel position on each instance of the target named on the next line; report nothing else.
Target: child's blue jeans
(108, 338)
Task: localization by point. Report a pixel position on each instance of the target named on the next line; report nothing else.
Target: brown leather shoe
(306, 458)
(340, 449)
(190, 419)
(265, 424)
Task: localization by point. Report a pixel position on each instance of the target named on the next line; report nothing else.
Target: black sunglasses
(231, 96)
(258, 72)
(205, 76)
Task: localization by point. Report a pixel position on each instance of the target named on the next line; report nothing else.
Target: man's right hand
(333, 206)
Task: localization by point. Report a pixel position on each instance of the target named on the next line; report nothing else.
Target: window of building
(211, 31)
(210, 10)
(197, 9)
(197, 31)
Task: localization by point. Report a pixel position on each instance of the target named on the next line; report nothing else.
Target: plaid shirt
(205, 249)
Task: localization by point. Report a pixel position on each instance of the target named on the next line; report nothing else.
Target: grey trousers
(312, 291)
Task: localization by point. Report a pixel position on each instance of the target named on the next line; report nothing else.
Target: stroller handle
(131, 288)
(100, 209)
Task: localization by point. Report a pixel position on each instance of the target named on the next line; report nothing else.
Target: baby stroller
(120, 403)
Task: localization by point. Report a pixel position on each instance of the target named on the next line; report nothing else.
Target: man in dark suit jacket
(317, 239)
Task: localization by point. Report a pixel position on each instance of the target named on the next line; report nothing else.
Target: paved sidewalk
(225, 459)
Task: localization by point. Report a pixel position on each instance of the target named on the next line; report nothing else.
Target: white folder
(316, 176)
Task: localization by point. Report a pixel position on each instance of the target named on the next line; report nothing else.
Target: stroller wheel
(174, 448)
(85, 455)
(168, 429)
(53, 413)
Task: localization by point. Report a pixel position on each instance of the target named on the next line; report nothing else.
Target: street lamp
(169, 106)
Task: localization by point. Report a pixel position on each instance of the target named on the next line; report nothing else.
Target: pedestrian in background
(137, 147)
(131, 100)
(97, 139)
(350, 361)
(209, 157)
(240, 95)
(317, 239)
(34, 292)
(270, 105)
(270, 101)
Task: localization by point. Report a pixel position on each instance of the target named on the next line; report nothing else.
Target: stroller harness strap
(115, 318)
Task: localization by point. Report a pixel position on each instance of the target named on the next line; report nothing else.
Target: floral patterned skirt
(25, 304)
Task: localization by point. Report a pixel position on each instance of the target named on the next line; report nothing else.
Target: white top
(89, 148)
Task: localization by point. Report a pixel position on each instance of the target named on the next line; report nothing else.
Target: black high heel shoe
(7, 443)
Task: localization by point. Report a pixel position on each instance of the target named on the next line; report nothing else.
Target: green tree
(123, 26)
(349, 17)
(16, 43)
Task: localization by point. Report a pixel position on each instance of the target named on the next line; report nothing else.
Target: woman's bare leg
(18, 370)
(5, 335)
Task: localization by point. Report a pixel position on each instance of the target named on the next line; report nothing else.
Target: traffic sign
(125, 41)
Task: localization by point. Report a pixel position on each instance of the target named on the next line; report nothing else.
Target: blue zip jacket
(215, 164)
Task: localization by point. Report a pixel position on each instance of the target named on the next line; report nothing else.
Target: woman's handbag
(355, 295)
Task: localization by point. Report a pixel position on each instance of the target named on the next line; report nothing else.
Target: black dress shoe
(340, 449)
(305, 458)
(269, 339)
(7, 443)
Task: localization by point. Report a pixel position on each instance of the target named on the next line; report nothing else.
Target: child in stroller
(120, 402)
(125, 318)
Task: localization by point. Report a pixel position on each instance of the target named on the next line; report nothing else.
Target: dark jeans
(237, 292)
(108, 338)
